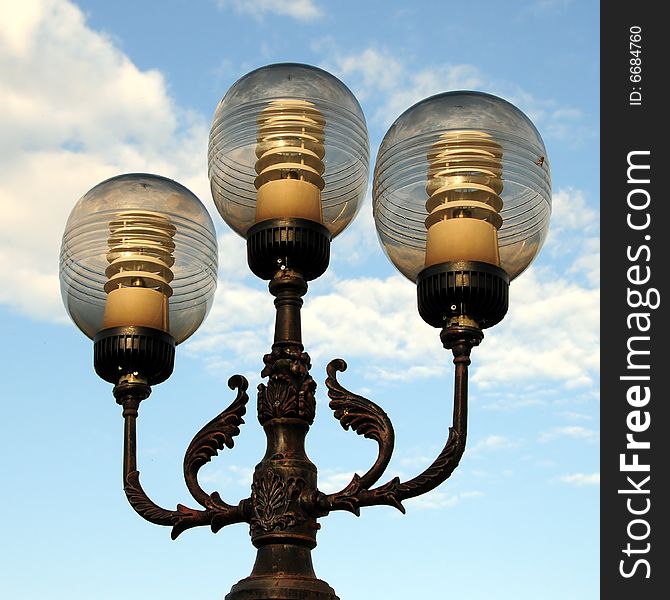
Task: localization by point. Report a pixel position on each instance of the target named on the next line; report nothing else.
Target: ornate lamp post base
(283, 508)
(282, 572)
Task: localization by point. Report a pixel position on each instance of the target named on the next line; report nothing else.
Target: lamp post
(461, 202)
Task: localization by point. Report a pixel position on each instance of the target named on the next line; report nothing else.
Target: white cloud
(416, 461)
(232, 257)
(375, 320)
(368, 317)
(378, 75)
(581, 479)
(571, 431)
(232, 475)
(358, 241)
(74, 110)
(547, 8)
(537, 339)
(574, 234)
(493, 442)
(575, 416)
(509, 399)
(235, 335)
(438, 500)
(570, 211)
(302, 10)
(20, 19)
(392, 85)
(331, 482)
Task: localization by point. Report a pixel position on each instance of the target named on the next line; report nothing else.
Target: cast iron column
(283, 527)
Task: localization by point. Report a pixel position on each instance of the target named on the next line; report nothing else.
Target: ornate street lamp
(461, 202)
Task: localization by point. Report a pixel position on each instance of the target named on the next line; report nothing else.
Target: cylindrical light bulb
(464, 185)
(289, 168)
(141, 256)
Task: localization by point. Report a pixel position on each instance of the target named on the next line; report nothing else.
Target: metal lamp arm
(217, 513)
(367, 419)
(448, 459)
(370, 420)
(214, 436)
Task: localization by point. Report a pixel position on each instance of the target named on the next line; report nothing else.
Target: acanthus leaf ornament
(213, 437)
(290, 388)
(182, 519)
(216, 435)
(273, 499)
(278, 398)
(368, 419)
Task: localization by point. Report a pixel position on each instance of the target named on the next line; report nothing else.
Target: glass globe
(288, 140)
(462, 176)
(139, 250)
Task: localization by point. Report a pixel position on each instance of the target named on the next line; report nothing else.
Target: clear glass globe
(140, 250)
(462, 154)
(288, 122)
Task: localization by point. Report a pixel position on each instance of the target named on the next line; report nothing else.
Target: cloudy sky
(93, 89)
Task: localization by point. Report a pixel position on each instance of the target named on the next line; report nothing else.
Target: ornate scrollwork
(212, 438)
(181, 519)
(363, 416)
(285, 503)
(272, 498)
(367, 419)
(216, 435)
(290, 389)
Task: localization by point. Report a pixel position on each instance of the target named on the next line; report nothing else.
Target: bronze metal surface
(285, 503)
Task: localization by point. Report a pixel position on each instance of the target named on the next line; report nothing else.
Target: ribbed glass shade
(288, 140)
(139, 250)
(462, 176)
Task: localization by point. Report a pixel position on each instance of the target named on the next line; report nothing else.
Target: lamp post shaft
(283, 524)
(288, 287)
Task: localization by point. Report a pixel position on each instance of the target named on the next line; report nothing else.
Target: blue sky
(93, 89)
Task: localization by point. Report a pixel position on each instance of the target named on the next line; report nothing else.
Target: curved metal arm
(460, 341)
(214, 436)
(367, 419)
(129, 393)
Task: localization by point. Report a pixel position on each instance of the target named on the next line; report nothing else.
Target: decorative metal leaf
(365, 418)
(221, 430)
(182, 519)
(212, 438)
(389, 493)
(289, 391)
(347, 499)
(271, 498)
(307, 401)
(278, 398)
